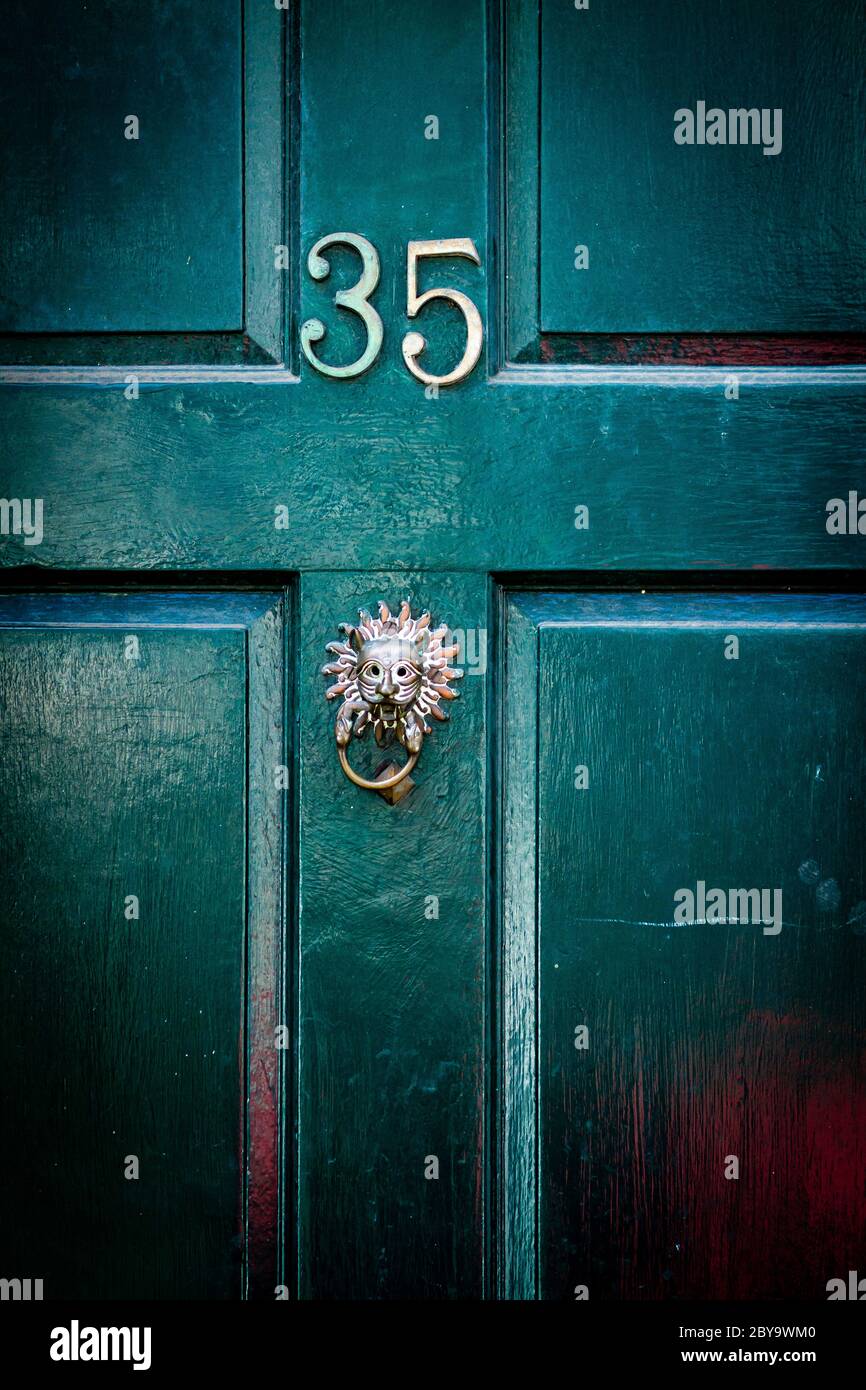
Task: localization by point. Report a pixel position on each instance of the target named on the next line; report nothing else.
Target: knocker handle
(385, 783)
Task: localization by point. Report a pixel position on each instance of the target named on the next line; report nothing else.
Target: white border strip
(145, 376)
(540, 374)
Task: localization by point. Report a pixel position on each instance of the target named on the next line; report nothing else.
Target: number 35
(357, 300)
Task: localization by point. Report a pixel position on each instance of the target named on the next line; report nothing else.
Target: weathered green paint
(392, 997)
(401, 1043)
(705, 1040)
(104, 233)
(691, 237)
(517, 1015)
(486, 478)
(132, 777)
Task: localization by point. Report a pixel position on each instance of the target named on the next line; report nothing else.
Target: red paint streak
(479, 1162)
(792, 1108)
(704, 349)
(262, 1150)
(242, 1116)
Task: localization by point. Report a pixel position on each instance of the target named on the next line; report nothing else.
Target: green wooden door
(265, 1032)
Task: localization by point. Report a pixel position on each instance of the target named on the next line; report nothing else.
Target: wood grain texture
(711, 238)
(271, 79)
(705, 1040)
(124, 1036)
(387, 492)
(392, 1003)
(481, 479)
(392, 184)
(105, 233)
(516, 815)
(270, 985)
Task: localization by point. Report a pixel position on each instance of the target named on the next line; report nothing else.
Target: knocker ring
(382, 784)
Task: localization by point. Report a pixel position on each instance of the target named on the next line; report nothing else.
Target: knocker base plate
(392, 794)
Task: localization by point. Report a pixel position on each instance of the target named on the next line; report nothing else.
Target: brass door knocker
(392, 673)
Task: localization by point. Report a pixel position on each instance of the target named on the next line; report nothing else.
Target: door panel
(393, 980)
(126, 873)
(702, 236)
(663, 765)
(109, 227)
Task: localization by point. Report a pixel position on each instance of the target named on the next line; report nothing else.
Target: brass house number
(357, 299)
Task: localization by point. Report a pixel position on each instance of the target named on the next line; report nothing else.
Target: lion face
(392, 676)
(389, 672)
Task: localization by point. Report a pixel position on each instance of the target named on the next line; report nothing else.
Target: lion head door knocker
(392, 673)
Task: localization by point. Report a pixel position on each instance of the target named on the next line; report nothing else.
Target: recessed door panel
(122, 139)
(124, 766)
(754, 223)
(701, 923)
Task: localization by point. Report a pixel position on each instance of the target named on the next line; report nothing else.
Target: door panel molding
(262, 350)
(557, 1176)
(517, 815)
(261, 621)
(522, 351)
